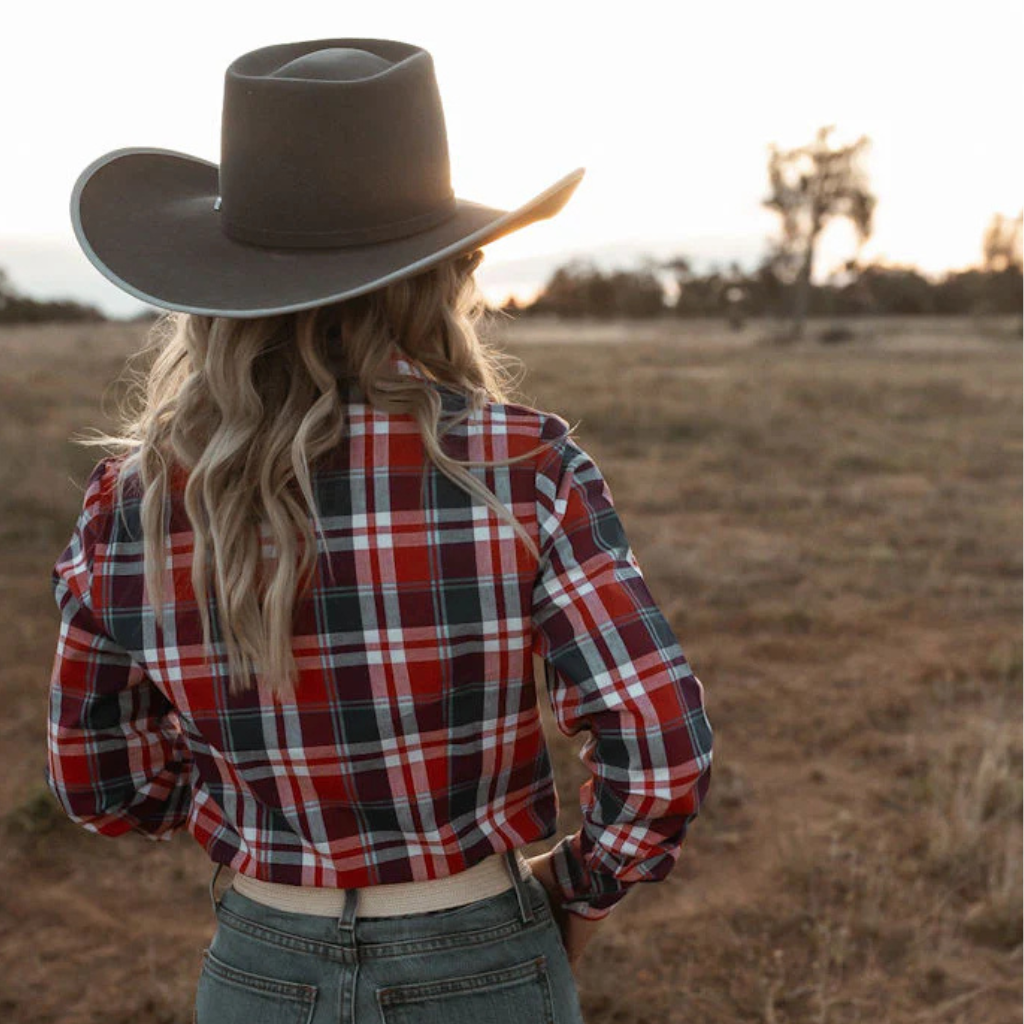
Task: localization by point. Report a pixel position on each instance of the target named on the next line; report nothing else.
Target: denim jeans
(499, 959)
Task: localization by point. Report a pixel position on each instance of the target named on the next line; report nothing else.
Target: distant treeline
(581, 289)
(20, 309)
(809, 187)
(779, 287)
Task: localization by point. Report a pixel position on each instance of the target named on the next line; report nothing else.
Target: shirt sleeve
(117, 759)
(614, 668)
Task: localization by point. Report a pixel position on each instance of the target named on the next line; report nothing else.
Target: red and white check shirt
(413, 748)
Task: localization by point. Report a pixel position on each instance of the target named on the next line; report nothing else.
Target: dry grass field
(834, 531)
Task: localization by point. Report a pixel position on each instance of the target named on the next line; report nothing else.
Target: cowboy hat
(333, 181)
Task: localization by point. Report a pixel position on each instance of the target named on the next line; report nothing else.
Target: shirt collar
(401, 363)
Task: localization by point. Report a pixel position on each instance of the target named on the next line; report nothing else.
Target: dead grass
(972, 841)
(834, 532)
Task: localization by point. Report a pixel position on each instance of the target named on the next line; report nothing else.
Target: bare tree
(810, 186)
(1002, 243)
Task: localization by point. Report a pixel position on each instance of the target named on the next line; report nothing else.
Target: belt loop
(347, 921)
(213, 881)
(522, 893)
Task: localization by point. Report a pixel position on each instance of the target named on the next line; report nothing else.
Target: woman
(301, 602)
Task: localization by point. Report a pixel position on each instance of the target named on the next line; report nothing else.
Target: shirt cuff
(575, 883)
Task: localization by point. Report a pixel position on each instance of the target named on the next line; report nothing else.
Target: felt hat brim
(146, 219)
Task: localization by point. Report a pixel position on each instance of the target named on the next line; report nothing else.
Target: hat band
(272, 238)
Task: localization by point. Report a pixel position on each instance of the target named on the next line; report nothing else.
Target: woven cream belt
(487, 878)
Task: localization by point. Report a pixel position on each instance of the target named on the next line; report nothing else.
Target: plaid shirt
(413, 747)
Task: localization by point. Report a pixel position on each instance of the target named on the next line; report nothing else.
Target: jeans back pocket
(519, 992)
(226, 995)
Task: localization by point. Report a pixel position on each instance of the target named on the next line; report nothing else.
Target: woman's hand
(576, 931)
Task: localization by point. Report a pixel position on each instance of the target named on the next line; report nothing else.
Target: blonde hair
(246, 407)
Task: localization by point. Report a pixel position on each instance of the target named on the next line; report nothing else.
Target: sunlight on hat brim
(146, 220)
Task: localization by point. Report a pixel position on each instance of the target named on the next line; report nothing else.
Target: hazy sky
(670, 106)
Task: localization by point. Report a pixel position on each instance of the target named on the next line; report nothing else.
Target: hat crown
(332, 143)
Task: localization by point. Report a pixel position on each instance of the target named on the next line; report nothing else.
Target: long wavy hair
(246, 407)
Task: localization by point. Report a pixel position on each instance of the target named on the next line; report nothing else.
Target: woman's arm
(614, 668)
(117, 758)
